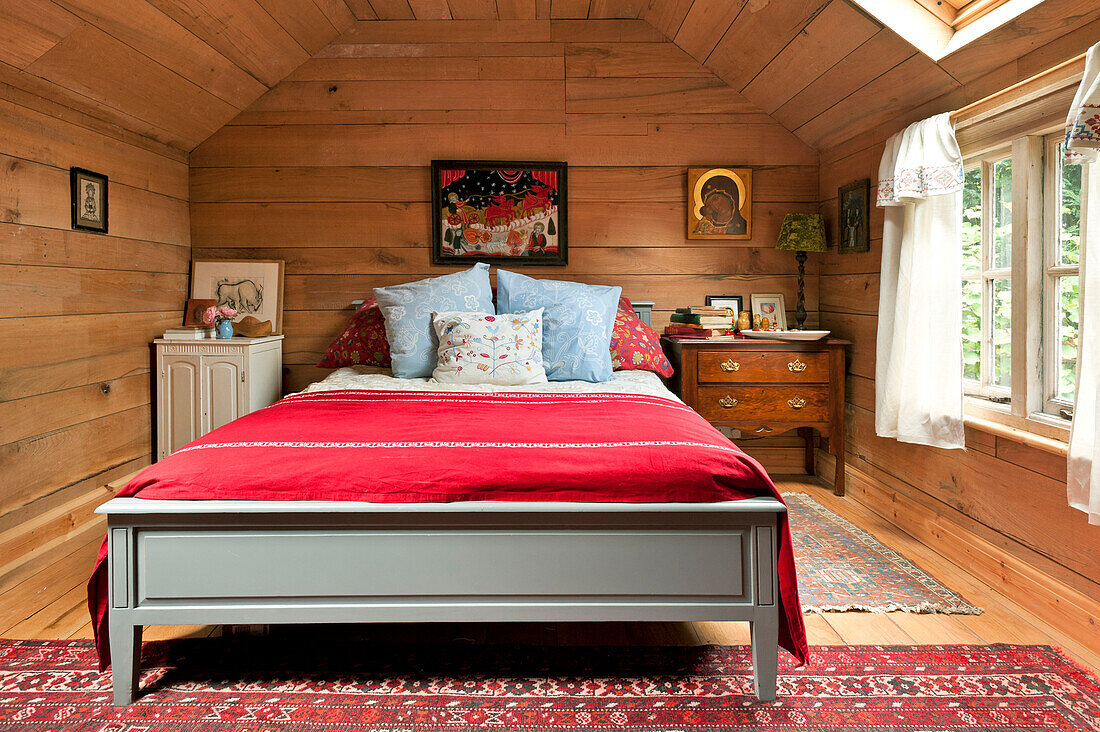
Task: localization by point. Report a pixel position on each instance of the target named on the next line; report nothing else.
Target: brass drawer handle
(728, 402)
(796, 366)
(796, 403)
(730, 365)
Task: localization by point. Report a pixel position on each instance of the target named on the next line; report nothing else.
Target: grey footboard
(261, 562)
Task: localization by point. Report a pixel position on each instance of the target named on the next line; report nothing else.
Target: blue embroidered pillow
(408, 310)
(577, 323)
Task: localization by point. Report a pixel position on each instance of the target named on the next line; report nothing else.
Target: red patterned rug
(260, 685)
(841, 568)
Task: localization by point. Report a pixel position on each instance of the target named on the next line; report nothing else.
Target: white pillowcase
(482, 348)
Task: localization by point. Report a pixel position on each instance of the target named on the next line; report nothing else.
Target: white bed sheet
(376, 379)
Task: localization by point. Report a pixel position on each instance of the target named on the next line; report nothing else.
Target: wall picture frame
(771, 305)
(194, 311)
(736, 303)
(88, 193)
(719, 203)
(249, 286)
(853, 217)
(500, 212)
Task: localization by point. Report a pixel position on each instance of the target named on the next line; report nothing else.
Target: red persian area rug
(260, 685)
(842, 568)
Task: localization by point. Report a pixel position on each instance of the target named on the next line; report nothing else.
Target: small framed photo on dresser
(770, 305)
(736, 303)
(88, 197)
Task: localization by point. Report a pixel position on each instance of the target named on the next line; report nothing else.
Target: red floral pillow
(363, 341)
(634, 345)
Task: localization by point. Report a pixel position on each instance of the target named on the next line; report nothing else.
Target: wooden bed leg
(765, 654)
(807, 435)
(125, 661)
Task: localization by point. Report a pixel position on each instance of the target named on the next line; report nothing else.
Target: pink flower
(210, 315)
(227, 312)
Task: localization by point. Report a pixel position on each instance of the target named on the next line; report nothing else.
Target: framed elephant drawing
(249, 286)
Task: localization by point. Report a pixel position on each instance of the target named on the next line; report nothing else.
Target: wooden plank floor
(47, 600)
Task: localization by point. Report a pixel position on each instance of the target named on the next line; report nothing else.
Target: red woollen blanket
(418, 447)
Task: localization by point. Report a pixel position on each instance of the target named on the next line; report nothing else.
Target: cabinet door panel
(179, 417)
(224, 392)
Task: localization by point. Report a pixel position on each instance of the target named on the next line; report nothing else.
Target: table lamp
(801, 233)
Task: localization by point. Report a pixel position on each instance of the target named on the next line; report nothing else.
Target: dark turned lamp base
(800, 311)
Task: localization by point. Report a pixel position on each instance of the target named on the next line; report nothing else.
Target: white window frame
(1053, 270)
(984, 387)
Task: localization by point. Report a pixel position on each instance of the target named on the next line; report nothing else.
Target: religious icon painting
(719, 203)
(88, 195)
(853, 213)
(502, 212)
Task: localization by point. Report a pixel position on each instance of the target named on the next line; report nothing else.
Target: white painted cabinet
(202, 385)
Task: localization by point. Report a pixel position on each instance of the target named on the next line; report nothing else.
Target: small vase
(225, 329)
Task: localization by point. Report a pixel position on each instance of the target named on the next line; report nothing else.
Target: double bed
(367, 498)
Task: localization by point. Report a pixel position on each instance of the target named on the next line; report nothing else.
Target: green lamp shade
(802, 233)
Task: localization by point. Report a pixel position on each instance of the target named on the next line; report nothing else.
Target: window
(1035, 339)
(987, 276)
(1066, 186)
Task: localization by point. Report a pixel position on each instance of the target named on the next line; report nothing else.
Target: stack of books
(189, 333)
(701, 322)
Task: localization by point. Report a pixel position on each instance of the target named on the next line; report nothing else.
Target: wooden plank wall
(77, 309)
(329, 170)
(1009, 493)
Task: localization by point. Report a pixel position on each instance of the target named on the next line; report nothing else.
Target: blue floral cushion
(408, 310)
(577, 323)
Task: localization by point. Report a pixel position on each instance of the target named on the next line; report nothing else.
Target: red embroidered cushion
(636, 346)
(363, 341)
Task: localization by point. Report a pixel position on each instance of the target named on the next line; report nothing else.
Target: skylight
(940, 27)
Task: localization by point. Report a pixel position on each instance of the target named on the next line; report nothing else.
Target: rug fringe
(924, 608)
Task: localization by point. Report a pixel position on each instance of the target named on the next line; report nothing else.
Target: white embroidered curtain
(1083, 146)
(918, 375)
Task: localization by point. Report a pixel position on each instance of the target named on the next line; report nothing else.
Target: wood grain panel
(653, 95)
(761, 31)
(479, 95)
(833, 34)
(31, 28)
(177, 111)
(626, 60)
(243, 32)
(28, 245)
(704, 24)
(149, 31)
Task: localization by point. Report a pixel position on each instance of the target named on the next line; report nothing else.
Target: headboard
(644, 309)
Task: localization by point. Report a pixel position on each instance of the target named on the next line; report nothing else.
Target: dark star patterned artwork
(498, 212)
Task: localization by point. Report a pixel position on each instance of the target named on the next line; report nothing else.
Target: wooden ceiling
(175, 71)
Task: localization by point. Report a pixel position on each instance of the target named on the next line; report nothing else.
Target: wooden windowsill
(1038, 431)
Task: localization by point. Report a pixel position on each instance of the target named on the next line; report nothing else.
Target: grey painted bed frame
(266, 562)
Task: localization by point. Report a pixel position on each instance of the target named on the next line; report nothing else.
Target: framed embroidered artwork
(770, 305)
(719, 203)
(88, 197)
(498, 212)
(853, 211)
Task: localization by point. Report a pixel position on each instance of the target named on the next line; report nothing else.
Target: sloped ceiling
(175, 71)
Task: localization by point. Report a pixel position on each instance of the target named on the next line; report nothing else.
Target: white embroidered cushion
(482, 348)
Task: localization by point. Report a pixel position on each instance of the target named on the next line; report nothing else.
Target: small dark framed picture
(853, 217)
(498, 212)
(736, 303)
(88, 193)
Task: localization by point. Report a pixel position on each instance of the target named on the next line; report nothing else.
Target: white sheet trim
(433, 444)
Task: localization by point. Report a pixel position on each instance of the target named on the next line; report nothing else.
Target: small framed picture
(736, 303)
(772, 306)
(88, 196)
(196, 308)
(853, 202)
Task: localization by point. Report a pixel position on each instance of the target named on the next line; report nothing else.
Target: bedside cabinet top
(235, 340)
(755, 344)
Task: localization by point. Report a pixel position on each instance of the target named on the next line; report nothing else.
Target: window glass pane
(1069, 203)
(972, 329)
(1001, 333)
(972, 220)
(1066, 346)
(1000, 175)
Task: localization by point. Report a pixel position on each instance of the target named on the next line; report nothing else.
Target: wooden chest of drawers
(766, 388)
